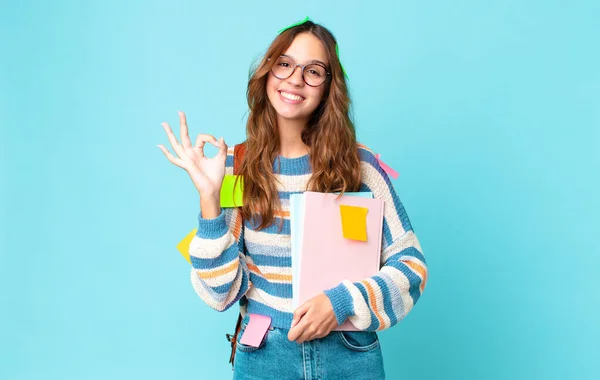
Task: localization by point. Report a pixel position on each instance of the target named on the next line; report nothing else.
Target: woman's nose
(296, 77)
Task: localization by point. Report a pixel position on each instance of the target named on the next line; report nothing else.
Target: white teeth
(290, 96)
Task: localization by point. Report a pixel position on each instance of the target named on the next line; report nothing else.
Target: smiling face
(292, 98)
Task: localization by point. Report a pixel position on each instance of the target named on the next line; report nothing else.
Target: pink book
(327, 257)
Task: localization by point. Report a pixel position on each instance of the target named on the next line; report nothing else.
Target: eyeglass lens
(314, 74)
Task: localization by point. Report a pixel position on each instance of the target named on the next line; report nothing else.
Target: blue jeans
(340, 355)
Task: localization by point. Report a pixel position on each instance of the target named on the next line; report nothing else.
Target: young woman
(299, 137)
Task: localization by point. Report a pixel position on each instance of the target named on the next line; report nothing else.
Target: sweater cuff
(212, 228)
(342, 302)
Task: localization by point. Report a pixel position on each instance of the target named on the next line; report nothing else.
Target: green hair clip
(294, 24)
(337, 50)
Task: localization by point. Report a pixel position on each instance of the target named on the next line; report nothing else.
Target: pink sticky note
(256, 330)
(387, 169)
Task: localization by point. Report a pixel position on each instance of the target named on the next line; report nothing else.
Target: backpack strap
(233, 339)
(238, 156)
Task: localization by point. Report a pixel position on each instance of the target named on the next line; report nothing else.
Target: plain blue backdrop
(489, 110)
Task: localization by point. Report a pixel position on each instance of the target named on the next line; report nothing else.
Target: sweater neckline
(294, 165)
(282, 158)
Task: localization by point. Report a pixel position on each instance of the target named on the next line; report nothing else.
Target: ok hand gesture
(206, 173)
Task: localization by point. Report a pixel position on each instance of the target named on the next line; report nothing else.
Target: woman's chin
(291, 114)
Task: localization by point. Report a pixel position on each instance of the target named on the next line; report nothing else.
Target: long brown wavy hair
(330, 134)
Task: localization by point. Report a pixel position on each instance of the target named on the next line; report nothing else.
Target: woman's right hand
(206, 173)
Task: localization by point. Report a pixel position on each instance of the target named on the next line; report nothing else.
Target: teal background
(489, 110)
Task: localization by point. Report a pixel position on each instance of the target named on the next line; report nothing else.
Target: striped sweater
(233, 262)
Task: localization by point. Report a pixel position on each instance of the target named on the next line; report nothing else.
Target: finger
(222, 147)
(299, 312)
(174, 160)
(294, 333)
(307, 334)
(199, 146)
(183, 130)
(203, 138)
(173, 140)
(295, 322)
(325, 330)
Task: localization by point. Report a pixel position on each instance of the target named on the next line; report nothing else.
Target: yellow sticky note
(354, 222)
(184, 246)
(231, 197)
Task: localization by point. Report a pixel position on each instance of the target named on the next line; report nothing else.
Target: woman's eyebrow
(313, 61)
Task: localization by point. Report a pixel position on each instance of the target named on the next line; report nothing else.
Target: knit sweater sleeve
(381, 301)
(219, 272)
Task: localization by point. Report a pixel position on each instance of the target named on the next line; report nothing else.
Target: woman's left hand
(313, 319)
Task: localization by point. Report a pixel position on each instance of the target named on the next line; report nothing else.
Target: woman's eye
(314, 72)
(284, 64)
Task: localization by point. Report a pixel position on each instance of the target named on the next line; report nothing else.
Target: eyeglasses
(314, 74)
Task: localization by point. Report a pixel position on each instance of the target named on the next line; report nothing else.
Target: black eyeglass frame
(328, 74)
